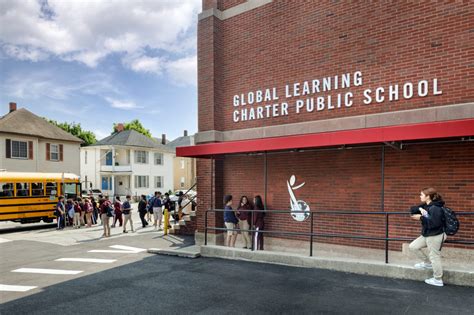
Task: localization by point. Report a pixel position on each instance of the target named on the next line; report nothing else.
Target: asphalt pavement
(171, 285)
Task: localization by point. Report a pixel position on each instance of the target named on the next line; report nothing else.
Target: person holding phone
(431, 215)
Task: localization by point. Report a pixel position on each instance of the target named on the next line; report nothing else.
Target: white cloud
(183, 71)
(147, 34)
(140, 63)
(122, 104)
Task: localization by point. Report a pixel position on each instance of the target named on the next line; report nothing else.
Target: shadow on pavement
(172, 285)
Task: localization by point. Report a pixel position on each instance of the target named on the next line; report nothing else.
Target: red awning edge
(433, 130)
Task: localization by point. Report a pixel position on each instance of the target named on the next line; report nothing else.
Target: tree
(134, 125)
(76, 130)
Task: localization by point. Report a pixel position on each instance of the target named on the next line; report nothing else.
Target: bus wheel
(47, 220)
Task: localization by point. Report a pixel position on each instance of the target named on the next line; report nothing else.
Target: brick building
(365, 103)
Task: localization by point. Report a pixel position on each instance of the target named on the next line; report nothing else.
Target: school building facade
(365, 104)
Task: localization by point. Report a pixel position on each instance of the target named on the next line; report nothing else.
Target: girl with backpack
(431, 215)
(88, 211)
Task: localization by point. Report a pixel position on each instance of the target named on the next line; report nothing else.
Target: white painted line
(111, 251)
(15, 288)
(48, 271)
(91, 260)
(4, 240)
(132, 249)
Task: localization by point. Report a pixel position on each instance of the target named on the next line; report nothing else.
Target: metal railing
(311, 234)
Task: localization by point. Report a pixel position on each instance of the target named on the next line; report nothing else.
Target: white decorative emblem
(297, 205)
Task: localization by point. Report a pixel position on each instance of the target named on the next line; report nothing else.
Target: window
(141, 181)
(106, 183)
(158, 181)
(22, 190)
(6, 190)
(69, 190)
(85, 157)
(182, 182)
(51, 189)
(54, 152)
(19, 149)
(37, 189)
(182, 164)
(141, 157)
(158, 158)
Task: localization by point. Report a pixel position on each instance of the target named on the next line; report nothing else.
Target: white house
(127, 162)
(29, 143)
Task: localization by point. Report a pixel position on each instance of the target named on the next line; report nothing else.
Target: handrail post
(205, 228)
(252, 247)
(311, 238)
(386, 238)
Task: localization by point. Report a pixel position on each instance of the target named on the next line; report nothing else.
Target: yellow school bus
(31, 197)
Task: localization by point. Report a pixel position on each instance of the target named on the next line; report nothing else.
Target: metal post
(311, 238)
(265, 174)
(382, 192)
(205, 228)
(386, 238)
(253, 233)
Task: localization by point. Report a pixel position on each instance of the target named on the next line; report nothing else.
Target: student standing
(230, 221)
(60, 212)
(431, 215)
(244, 216)
(88, 211)
(157, 211)
(258, 222)
(77, 214)
(142, 205)
(127, 213)
(104, 215)
(118, 211)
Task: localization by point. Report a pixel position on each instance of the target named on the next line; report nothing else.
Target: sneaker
(423, 265)
(125, 231)
(434, 281)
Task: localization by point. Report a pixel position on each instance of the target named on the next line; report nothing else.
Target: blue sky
(101, 62)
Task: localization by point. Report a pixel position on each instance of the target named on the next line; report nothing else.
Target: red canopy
(433, 130)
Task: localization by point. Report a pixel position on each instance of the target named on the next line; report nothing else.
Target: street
(116, 275)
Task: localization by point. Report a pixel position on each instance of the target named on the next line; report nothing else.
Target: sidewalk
(458, 264)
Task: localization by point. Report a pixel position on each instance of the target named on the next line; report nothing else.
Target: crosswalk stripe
(91, 260)
(16, 288)
(133, 249)
(111, 251)
(48, 271)
(4, 240)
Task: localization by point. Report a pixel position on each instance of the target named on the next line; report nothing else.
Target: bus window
(69, 190)
(37, 189)
(22, 190)
(6, 190)
(51, 189)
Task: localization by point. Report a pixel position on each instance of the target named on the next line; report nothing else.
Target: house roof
(24, 122)
(132, 138)
(181, 142)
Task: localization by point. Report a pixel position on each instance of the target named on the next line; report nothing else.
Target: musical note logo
(297, 205)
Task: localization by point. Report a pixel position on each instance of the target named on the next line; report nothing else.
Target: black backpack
(451, 223)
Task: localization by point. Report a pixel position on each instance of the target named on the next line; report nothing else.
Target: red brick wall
(350, 179)
(292, 41)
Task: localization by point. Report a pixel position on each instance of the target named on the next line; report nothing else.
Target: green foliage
(76, 130)
(134, 125)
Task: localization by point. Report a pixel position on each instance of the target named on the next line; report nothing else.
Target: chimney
(185, 133)
(119, 127)
(163, 139)
(12, 107)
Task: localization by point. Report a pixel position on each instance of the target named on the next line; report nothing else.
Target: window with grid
(141, 157)
(54, 152)
(158, 158)
(19, 149)
(141, 181)
(158, 181)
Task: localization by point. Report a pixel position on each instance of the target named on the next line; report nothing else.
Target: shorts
(157, 213)
(230, 226)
